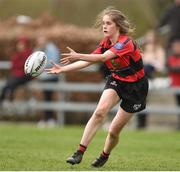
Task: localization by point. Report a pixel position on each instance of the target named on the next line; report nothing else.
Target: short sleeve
(121, 49)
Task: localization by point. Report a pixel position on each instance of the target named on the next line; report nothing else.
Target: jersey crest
(118, 46)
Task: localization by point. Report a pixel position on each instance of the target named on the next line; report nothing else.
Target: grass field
(25, 147)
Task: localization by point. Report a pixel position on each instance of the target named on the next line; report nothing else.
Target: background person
(127, 81)
(171, 18)
(153, 55)
(174, 70)
(48, 117)
(17, 76)
(154, 62)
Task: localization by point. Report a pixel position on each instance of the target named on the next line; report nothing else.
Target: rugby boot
(76, 158)
(99, 162)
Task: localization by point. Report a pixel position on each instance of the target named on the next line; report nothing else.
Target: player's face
(109, 27)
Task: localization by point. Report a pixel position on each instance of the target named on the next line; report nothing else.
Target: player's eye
(106, 23)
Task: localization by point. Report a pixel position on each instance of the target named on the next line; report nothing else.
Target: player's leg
(108, 100)
(119, 121)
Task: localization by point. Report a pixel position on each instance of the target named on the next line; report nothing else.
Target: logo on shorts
(136, 106)
(114, 83)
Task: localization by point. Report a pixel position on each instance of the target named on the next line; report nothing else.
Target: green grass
(25, 147)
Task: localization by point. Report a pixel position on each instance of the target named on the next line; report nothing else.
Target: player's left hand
(70, 57)
(55, 69)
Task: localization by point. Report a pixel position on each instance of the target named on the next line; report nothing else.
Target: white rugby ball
(35, 64)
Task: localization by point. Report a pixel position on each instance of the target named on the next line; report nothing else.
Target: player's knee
(100, 114)
(113, 135)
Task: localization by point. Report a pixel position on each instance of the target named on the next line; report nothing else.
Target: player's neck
(114, 39)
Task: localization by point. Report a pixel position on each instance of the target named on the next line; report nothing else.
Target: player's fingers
(65, 62)
(50, 72)
(48, 69)
(53, 63)
(64, 59)
(70, 49)
(65, 54)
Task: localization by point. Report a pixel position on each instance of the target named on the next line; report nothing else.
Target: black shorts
(132, 94)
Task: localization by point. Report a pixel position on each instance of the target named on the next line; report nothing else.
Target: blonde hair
(117, 17)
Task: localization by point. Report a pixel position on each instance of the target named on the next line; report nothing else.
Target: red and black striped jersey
(127, 65)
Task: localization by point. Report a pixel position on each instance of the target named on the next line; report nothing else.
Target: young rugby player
(126, 83)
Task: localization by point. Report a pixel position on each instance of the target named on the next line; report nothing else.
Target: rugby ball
(35, 64)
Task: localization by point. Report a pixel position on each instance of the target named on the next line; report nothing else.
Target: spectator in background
(17, 76)
(53, 53)
(153, 55)
(171, 18)
(174, 70)
(154, 61)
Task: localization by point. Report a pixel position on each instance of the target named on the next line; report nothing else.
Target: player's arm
(93, 58)
(97, 57)
(56, 68)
